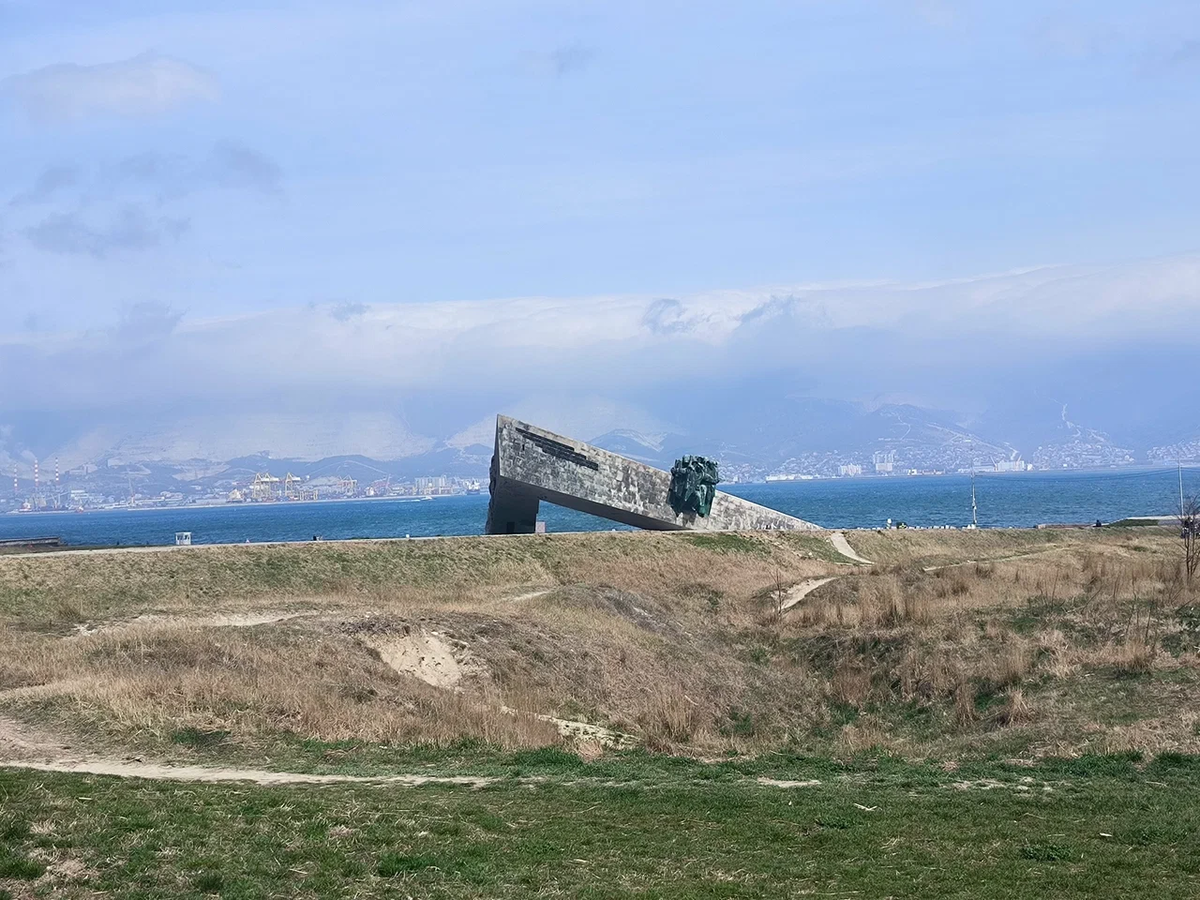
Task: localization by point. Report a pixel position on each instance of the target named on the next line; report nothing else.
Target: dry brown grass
(1129, 657)
(1016, 709)
(250, 682)
(851, 684)
(75, 587)
(598, 654)
(1012, 664)
(862, 737)
(925, 547)
(669, 717)
(678, 643)
(964, 703)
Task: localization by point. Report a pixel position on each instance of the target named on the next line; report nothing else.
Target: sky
(454, 205)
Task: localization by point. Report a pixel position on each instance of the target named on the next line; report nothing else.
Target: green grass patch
(393, 864)
(209, 882)
(638, 826)
(1045, 851)
(815, 546)
(19, 867)
(198, 738)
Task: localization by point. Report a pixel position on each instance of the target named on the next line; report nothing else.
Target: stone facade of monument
(531, 464)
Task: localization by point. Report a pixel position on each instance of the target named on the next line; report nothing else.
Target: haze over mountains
(751, 426)
(1056, 366)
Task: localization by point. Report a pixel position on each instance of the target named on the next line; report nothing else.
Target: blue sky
(172, 171)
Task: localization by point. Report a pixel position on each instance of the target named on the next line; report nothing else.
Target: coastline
(268, 504)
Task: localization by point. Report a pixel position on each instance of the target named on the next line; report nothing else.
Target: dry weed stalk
(851, 684)
(1015, 710)
(964, 703)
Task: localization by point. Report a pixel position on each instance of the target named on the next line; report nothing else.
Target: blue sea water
(1004, 500)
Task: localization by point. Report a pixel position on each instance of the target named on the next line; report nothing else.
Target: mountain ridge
(800, 435)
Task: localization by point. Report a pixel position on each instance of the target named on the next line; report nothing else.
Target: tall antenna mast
(974, 516)
(1179, 463)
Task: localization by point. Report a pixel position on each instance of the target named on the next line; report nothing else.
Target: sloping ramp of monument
(531, 465)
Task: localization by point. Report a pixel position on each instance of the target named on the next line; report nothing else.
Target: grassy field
(976, 714)
(1094, 828)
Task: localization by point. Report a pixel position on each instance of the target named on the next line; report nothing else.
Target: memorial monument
(530, 465)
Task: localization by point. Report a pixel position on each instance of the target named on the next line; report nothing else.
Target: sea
(1009, 500)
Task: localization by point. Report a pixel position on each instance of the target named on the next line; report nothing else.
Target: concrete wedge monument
(530, 465)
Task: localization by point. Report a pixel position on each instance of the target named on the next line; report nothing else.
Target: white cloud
(146, 85)
(876, 337)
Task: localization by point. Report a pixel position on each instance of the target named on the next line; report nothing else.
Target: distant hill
(751, 433)
(815, 436)
(656, 450)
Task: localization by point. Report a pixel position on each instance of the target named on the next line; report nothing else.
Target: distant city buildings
(134, 486)
(431, 485)
(265, 488)
(1010, 465)
(1088, 452)
(1170, 454)
(958, 456)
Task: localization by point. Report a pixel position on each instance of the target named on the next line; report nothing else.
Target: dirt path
(529, 595)
(216, 620)
(164, 772)
(997, 559)
(25, 746)
(775, 782)
(803, 589)
(842, 546)
(28, 747)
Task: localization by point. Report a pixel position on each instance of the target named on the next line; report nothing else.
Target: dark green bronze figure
(694, 481)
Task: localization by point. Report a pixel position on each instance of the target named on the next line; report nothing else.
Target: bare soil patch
(212, 774)
(416, 652)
